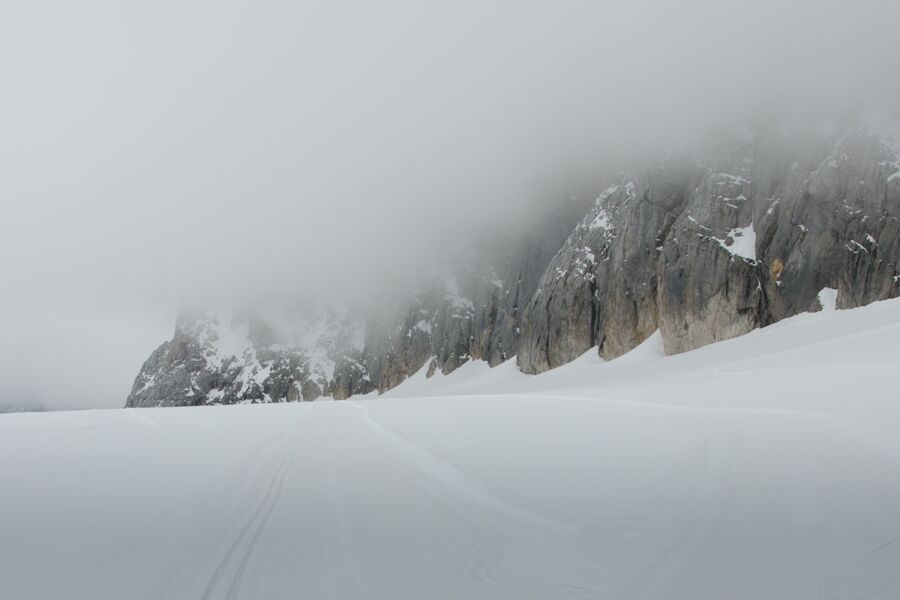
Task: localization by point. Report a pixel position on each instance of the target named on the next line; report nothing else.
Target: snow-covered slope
(767, 466)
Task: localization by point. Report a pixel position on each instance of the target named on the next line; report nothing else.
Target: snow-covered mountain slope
(261, 356)
(701, 246)
(767, 466)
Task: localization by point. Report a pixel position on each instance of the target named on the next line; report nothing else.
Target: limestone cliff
(703, 246)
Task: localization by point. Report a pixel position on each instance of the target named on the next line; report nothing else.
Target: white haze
(157, 151)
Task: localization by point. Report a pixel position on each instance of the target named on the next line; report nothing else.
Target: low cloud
(154, 152)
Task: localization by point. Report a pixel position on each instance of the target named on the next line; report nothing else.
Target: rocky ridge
(702, 246)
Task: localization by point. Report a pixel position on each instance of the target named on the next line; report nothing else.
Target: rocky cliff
(702, 245)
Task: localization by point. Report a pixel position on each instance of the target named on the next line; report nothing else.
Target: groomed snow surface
(763, 467)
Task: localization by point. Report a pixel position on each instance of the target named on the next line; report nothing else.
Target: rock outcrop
(707, 249)
(223, 357)
(702, 246)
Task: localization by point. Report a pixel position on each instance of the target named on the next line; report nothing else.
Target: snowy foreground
(763, 467)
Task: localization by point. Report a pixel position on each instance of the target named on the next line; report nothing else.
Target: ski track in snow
(253, 529)
(449, 483)
(767, 466)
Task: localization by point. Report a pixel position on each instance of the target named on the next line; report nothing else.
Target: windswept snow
(601, 220)
(827, 298)
(730, 179)
(740, 241)
(767, 466)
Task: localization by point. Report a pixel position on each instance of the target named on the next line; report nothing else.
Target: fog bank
(155, 152)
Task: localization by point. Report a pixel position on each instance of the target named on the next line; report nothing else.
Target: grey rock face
(701, 247)
(820, 219)
(226, 358)
(474, 313)
(600, 289)
(708, 249)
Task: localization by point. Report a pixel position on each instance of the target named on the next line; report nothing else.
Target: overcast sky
(152, 151)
